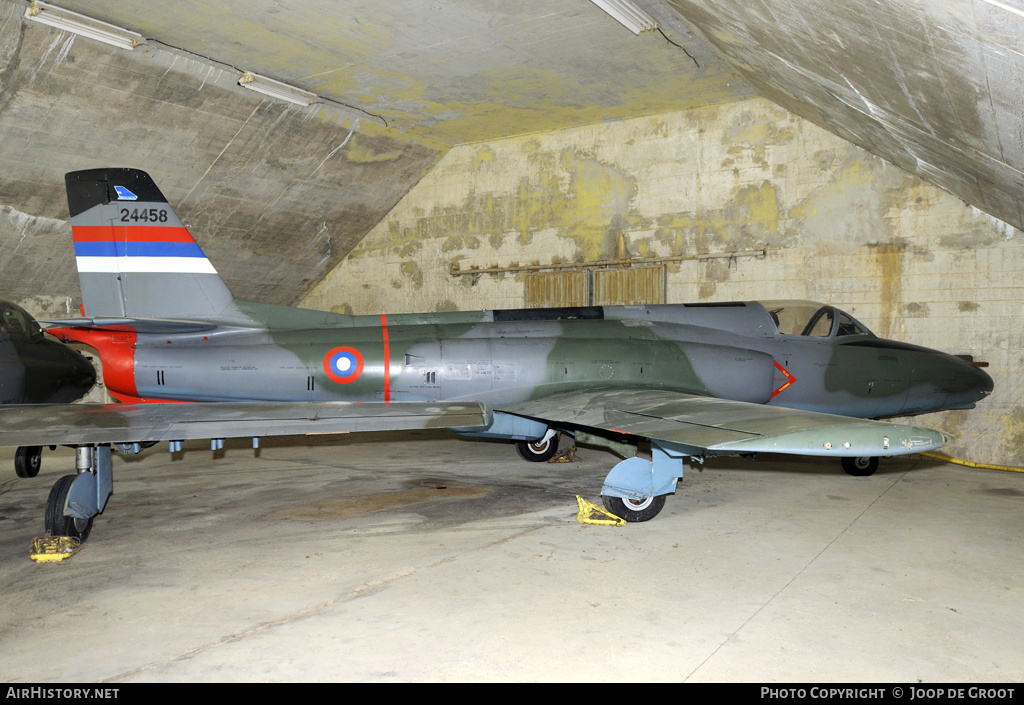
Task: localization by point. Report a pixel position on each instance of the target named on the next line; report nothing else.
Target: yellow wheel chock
(53, 549)
(564, 456)
(587, 511)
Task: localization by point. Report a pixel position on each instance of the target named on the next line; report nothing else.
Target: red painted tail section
(116, 346)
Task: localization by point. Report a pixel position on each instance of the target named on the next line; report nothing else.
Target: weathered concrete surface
(281, 193)
(276, 193)
(842, 226)
(450, 72)
(426, 557)
(933, 87)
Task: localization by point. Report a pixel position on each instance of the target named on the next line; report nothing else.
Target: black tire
(56, 522)
(860, 467)
(27, 460)
(539, 451)
(633, 511)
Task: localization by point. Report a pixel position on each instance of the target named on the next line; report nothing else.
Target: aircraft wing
(80, 424)
(699, 425)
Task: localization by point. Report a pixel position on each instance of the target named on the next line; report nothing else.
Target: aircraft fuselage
(728, 351)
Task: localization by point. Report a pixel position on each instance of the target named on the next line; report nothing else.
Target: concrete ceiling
(934, 87)
(446, 72)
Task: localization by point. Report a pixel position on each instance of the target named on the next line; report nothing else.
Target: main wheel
(860, 467)
(539, 451)
(27, 460)
(56, 522)
(634, 510)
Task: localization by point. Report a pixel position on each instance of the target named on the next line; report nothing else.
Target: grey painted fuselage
(731, 351)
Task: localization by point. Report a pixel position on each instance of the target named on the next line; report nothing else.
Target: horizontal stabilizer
(139, 325)
(82, 424)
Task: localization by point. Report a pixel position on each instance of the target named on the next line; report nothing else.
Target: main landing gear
(27, 460)
(636, 488)
(76, 499)
(634, 510)
(860, 467)
(541, 450)
(57, 522)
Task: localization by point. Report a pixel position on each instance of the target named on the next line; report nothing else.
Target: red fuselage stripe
(387, 357)
(130, 233)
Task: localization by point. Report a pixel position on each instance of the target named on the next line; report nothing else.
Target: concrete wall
(841, 226)
(275, 193)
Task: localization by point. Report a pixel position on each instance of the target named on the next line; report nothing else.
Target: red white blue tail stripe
(138, 248)
(135, 258)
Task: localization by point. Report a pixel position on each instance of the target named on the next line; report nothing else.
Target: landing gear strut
(635, 489)
(76, 499)
(57, 522)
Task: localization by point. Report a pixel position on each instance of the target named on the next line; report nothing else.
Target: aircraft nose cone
(983, 384)
(967, 384)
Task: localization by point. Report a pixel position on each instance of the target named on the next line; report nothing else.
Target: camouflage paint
(840, 225)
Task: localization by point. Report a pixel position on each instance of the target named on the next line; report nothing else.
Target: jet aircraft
(35, 369)
(687, 380)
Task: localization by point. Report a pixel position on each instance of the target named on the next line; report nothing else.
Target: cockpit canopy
(17, 324)
(812, 319)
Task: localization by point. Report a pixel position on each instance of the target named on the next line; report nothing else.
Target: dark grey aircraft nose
(983, 384)
(967, 384)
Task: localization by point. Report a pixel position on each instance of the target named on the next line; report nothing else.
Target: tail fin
(135, 258)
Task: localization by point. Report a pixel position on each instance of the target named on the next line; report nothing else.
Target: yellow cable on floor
(970, 463)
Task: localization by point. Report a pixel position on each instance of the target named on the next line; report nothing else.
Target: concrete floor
(386, 557)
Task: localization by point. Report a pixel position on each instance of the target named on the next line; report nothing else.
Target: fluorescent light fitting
(75, 23)
(276, 89)
(629, 15)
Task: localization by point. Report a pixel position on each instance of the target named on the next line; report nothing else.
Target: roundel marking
(343, 365)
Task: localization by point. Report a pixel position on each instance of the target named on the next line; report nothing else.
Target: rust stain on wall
(749, 220)
(1012, 439)
(888, 261)
(581, 197)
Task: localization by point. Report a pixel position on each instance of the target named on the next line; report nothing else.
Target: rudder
(135, 258)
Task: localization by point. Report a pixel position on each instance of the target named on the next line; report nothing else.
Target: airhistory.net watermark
(35, 692)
